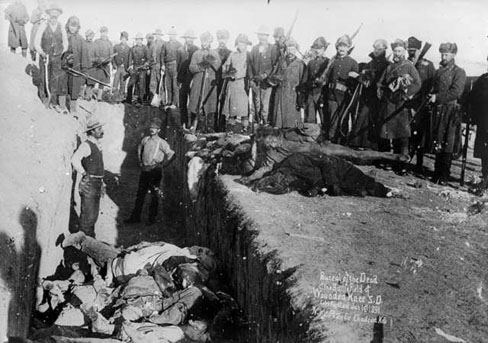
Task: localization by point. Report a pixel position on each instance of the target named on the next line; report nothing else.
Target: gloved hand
(204, 64)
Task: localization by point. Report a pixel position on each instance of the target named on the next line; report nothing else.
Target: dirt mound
(35, 183)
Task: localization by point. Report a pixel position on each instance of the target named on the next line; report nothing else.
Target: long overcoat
(286, 113)
(17, 14)
(209, 94)
(395, 116)
(236, 98)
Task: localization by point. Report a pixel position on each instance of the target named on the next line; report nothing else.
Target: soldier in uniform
(51, 42)
(184, 78)
(121, 63)
(342, 69)
(421, 124)
(288, 106)
(397, 85)
(92, 60)
(77, 58)
(365, 131)
(448, 87)
(313, 85)
(17, 15)
(168, 55)
(104, 50)
(478, 111)
(235, 104)
(224, 53)
(139, 56)
(155, 61)
(203, 95)
(261, 60)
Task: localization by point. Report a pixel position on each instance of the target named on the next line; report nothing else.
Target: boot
(61, 108)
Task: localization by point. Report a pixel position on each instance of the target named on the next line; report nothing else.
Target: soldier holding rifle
(140, 58)
(448, 87)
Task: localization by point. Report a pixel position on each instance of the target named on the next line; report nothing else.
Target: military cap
(158, 32)
(414, 43)
(448, 47)
(242, 38)
(290, 42)
(73, 21)
(279, 32)
(189, 34)
(172, 31)
(344, 40)
(380, 43)
(89, 33)
(103, 29)
(320, 43)
(156, 123)
(206, 37)
(222, 34)
(397, 43)
(263, 30)
(54, 7)
(139, 36)
(124, 34)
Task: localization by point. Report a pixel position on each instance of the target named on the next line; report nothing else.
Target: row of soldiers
(404, 104)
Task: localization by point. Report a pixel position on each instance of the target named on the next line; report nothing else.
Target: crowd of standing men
(399, 102)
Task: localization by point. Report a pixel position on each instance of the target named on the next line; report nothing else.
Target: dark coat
(478, 102)
(81, 61)
(103, 51)
(394, 115)
(185, 53)
(286, 114)
(124, 56)
(365, 129)
(449, 84)
(17, 14)
(209, 94)
(261, 63)
(338, 77)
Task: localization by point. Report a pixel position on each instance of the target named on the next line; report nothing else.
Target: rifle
(423, 52)
(103, 62)
(200, 104)
(466, 143)
(88, 77)
(273, 79)
(138, 69)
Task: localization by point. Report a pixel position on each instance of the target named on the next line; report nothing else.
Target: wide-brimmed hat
(156, 123)
(242, 38)
(263, 30)
(54, 7)
(139, 36)
(189, 34)
(93, 123)
(172, 31)
(448, 47)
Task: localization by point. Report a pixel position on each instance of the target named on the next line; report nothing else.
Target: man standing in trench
(153, 153)
(88, 162)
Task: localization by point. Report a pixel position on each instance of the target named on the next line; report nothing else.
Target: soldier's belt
(340, 87)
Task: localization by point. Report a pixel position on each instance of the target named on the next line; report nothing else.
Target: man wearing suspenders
(153, 153)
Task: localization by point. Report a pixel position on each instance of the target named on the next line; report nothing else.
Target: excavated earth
(324, 269)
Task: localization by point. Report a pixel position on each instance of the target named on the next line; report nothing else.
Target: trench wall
(35, 189)
(257, 281)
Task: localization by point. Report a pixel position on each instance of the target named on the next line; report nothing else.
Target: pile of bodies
(150, 292)
(283, 160)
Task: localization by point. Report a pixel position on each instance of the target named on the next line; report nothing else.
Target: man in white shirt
(153, 153)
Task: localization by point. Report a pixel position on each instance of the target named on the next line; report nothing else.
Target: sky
(436, 21)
